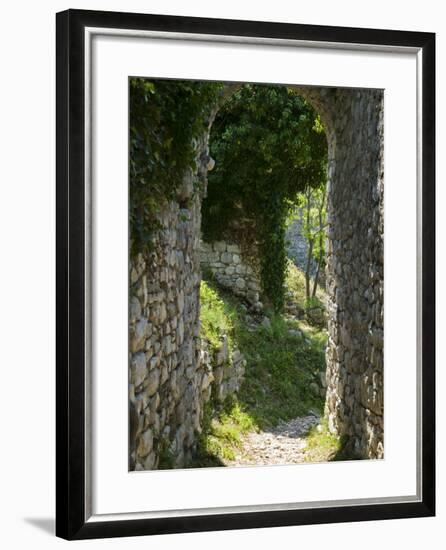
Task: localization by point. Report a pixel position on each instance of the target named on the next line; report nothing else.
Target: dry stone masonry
(166, 371)
(296, 243)
(355, 270)
(172, 371)
(232, 271)
(173, 374)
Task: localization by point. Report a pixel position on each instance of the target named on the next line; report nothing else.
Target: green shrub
(217, 317)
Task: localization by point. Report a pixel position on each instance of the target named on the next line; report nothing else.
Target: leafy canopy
(269, 145)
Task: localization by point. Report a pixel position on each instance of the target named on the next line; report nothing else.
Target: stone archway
(355, 264)
(169, 379)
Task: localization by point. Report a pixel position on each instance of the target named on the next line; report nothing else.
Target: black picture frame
(71, 520)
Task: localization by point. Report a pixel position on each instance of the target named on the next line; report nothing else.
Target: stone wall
(232, 271)
(166, 371)
(173, 373)
(296, 244)
(169, 376)
(355, 277)
(226, 369)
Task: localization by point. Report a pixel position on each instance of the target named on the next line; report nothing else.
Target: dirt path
(284, 444)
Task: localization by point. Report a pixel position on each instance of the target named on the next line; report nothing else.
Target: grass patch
(295, 283)
(322, 446)
(217, 316)
(283, 360)
(281, 365)
(222, 434)
(313, 309)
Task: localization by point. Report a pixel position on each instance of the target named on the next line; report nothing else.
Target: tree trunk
(319, 262)
(321, 240)
(308, 269)
(310, 247)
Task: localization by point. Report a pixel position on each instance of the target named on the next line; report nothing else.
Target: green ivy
(166, 117)
(269, 145)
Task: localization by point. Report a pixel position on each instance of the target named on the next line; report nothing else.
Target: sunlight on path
(284, 444)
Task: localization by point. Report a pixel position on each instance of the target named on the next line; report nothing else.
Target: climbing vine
(268, 144)
(166, 118)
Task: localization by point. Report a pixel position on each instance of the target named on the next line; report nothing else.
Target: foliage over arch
(269, 145)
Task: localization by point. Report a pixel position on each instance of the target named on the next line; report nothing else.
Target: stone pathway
(284, 444)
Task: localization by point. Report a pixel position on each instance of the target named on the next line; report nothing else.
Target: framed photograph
(245, 274)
